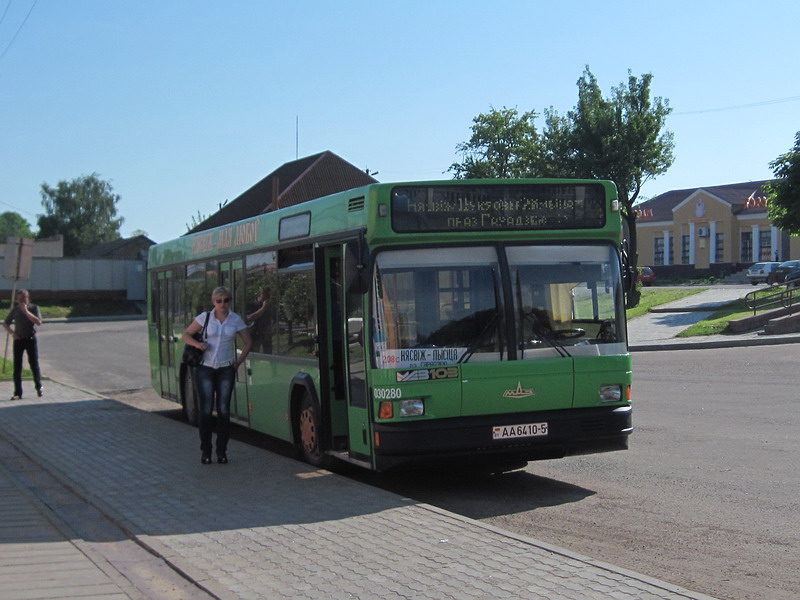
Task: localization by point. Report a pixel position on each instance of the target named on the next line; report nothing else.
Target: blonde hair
(220, 291)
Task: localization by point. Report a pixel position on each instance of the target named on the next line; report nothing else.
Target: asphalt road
(706, 498)
(103, 356)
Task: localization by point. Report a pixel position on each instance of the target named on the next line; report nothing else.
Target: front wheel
(309, 433)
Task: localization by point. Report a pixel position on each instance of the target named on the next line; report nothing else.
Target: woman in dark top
(26, 318)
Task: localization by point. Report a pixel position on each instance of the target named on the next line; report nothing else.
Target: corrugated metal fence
(71, 278)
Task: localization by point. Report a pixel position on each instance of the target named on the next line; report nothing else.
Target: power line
(738, 106)
(18, 209)
(25, 20)
(5, 12)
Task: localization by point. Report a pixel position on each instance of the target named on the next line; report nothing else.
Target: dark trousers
(214, 385)
(30, 346)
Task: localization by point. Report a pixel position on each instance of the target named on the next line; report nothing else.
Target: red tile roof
(292, 183)
(744, 198)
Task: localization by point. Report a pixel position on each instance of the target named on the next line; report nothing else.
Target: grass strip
(717, 322)
(652, 297)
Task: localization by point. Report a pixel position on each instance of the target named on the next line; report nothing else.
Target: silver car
(759, 272)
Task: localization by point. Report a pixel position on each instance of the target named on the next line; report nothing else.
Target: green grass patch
(717, 322)
(7, 373)
(652, 297)
(81, 309)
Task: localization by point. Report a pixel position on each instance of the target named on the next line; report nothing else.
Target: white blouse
(220, 336)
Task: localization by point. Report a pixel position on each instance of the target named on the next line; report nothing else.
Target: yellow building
(712, 230)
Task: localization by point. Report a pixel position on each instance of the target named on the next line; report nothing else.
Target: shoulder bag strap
(205, 326)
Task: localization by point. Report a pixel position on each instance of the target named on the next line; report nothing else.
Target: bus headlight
(411, 407)
(610, 393)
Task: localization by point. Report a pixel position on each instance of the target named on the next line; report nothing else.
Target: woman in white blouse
(216, 375)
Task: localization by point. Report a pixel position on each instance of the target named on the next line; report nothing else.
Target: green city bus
(400, 324)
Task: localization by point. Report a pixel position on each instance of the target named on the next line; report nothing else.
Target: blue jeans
(31, 347)
(214, 384)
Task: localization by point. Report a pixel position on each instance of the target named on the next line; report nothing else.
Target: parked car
(759, 272)
(792, 278)
(782, 270)
(646, 275)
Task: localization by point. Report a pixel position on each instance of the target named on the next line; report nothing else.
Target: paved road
(265, 526)
(135, 468)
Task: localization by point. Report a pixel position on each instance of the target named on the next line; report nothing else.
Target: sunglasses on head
(221, 300)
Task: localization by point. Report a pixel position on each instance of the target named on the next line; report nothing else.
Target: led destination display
(498, 208)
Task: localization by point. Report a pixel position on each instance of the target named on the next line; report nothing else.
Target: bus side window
(262, 297)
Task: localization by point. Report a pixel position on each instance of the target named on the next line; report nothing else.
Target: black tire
(189, 397)
(309, 433)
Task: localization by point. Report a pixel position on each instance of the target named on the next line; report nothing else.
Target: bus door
(166, 336)
(232, 277)
(334, 348)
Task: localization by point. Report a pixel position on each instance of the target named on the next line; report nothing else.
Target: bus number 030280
(387, 393)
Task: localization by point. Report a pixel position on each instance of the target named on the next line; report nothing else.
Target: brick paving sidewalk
(37, 558)
(265, 526)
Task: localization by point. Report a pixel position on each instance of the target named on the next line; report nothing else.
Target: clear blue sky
(183, 105)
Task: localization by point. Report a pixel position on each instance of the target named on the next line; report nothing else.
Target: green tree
(503, 144)
(621, 138)
(83, 210)
(784, 191)
(13, 225)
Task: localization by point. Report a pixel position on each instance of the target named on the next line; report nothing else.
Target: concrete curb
(708, 344)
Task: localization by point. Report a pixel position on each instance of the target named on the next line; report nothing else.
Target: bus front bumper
(569, 432)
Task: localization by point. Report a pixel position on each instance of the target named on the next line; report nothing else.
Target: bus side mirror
(631, 292)
(355, 268)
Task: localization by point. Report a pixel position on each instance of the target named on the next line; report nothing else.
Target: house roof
(744, 198)
(292, 183)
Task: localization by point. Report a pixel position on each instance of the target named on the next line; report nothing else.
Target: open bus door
(342, 375)
(167, 337)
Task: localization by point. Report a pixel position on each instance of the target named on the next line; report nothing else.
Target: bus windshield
(567, 300)
(444, 306)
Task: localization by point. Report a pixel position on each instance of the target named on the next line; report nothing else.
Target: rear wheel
(189, 397)
(309, 431)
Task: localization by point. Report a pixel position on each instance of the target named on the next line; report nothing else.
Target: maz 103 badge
(415, 358)
(427, 374)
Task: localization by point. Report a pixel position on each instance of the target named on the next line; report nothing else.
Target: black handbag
(193, 356)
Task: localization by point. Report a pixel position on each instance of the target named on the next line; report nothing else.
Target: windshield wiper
(474, 344)
(539, 328)
(544, 333)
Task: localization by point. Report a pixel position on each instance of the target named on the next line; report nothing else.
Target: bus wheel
(308, 428)
(189, 398)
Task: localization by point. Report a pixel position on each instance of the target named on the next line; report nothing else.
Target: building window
(719, 253)
(765, 245)
(747, 247)
(685, 250)
(670, 252)
(658, 251)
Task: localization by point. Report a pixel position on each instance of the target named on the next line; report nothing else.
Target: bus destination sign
(498, 208)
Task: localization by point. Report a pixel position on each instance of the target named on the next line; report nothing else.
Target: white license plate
(504, 432)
